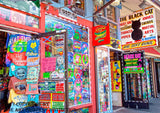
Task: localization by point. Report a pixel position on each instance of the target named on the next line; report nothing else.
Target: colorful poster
(32, 87)
(76, 46)
(47, 86)
(33, 72)
(28, 6)
(77, 59)
(33, 48)
(48, 64)
(101, 35)
(139, 29)
(133, 62)
(116, 76)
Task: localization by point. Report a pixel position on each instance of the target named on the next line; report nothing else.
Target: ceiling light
(143, 4)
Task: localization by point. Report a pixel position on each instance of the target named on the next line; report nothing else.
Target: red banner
(101, 35)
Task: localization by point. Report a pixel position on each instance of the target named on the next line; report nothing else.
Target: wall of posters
(116, 76)
(78, 58)
(139, 29)
(29, 6)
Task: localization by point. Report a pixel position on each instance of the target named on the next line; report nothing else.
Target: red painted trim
(92, 106)
(80, 106)
(13, 9)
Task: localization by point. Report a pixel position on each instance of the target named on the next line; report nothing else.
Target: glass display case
(103, 80)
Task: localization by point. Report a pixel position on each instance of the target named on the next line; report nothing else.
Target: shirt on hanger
(33, 97)
(32, 87)
(19, 72)
(33, 72)
(19, 86)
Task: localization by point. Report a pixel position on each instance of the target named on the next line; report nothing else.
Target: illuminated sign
(139, 30)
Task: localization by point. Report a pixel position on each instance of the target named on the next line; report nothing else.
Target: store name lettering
(132, 56)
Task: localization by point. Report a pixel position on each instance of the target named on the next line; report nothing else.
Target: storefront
(57, 73)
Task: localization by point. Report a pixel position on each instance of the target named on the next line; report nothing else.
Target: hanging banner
(29, 6)
(139, 30)
(101, 35)
(133, 62)
(116, 76)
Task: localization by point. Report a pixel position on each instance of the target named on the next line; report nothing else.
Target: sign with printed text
(48, 64)
(133, 63)
(139, 30)
(101, 35)
(67, 14)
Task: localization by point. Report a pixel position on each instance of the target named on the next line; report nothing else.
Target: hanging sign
(48, 64)
(101, 35)
(133, 62)
(139, 30)
(116, 76)
(67, 14)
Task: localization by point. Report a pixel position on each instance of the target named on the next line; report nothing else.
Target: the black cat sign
(139, 30)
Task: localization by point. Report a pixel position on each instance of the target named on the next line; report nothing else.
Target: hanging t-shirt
(19, 59)
(33, 72)
(33, 97)
(34, 109)
(32, 61)
(33, 48)
(16, 108)
(32, 87)
(16, 98)
(19, 86)
(19, 72)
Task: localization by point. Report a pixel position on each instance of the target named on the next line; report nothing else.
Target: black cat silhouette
(137, 33)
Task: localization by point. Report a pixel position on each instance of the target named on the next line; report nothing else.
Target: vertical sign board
(101, 35)
(116, 76)
(133, 63)
(139, 29)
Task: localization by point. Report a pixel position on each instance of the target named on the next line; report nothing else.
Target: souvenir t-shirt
(19, 86)
(32, 61)
(32, 48)
(19, 72)
(33, 72)
(19, 59)
(33, 97)
(16, 108)
(16, 98)
(32, 87)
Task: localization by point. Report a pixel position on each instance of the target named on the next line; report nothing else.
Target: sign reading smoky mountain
(139, 30)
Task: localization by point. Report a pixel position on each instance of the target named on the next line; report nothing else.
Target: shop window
(111, 13)
(98, 4)
(113, 30)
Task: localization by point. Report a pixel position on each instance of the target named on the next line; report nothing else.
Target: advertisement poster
(116, 76)
(29, 6)
(133, 62)
(139, 30)
(48, 64)
(101, 35)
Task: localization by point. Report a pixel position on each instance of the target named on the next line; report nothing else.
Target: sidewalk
(154, 107)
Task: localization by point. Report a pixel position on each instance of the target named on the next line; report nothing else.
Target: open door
(135, 91)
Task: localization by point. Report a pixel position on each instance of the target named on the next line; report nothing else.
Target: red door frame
(92, 106)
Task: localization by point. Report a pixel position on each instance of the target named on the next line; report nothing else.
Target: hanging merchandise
(32, 87)
(19, 86)
(33, 97)
(19, 72)
(33, 72)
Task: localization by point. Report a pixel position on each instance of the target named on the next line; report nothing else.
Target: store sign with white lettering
(139, 30)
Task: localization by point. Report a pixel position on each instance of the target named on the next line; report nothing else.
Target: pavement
(154, 107)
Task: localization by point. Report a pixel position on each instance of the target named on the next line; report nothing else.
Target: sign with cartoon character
(116, 76)
(139, 30)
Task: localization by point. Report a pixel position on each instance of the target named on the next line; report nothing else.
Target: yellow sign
(114, 43)
(116, 76)
(139, 44)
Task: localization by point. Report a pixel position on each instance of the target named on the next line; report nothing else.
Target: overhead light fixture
(143, 5)
(78, 2)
